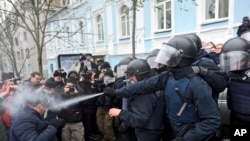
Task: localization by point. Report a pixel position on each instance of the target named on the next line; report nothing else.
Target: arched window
(124, 19)
(99, 22)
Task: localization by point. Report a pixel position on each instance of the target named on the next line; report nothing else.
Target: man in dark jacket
(73, 129)
(104, 103)
(33, 83)
(29, 125)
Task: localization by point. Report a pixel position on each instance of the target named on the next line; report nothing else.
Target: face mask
(108, 80)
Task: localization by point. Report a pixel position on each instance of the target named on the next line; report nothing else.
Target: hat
(50, 84)
(108, 72)
(105, 65)
(57, 73)
(71, 80)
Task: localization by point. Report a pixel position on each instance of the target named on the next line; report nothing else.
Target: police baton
(184, 100)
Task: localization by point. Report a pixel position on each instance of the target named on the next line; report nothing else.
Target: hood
(179, 73)
(201, 53)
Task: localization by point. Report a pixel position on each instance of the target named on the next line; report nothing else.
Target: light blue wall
(147, 19)
(242, 8)
(148, 45)
(184, 16)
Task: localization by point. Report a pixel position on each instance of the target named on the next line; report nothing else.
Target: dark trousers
(148, 135)
(128, 135)
(89, 123)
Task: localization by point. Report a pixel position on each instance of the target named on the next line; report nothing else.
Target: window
(124, 17)
(99, 22)
(20, 36)
(82, 37)
(16, 41)
(163, 14)
(216, 9)
(22, 54)
(27, 53)
(67, 32)
(29, 69)
(25, 36)
(18, 55)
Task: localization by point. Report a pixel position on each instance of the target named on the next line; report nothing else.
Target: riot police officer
(235, 60)
(145, 113)
(206, 67)
(192, 111)
(155, 67)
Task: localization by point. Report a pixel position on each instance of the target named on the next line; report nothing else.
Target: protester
(30, 124)
(73, 130)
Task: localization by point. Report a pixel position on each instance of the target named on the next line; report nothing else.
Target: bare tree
(32, 16)
(8, 32)
(136, 4)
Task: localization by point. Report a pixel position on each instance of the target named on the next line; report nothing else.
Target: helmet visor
(152, 63)
(121, 70)
(234, 60)
(169, 56)
(246, 36)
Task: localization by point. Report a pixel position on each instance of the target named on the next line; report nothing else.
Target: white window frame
(99, 27)
(206, 8)
(158, 4)
(126, 22)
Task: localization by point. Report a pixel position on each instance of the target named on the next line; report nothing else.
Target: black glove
(57, 123)
(200, 70)
(177, 139)
(109, 92)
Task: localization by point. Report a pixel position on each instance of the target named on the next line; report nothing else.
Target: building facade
(104, 27)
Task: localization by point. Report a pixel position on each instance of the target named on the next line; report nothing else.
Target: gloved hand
(177, 139)
(109, 92)
(200, 70)
(57, 123)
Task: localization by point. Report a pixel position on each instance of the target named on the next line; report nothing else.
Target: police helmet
(122, 66)
(140, 68)
(235, 55)
(178, 52)
(196, 39)
(151, 58)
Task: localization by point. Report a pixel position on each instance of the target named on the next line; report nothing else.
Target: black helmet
(122, 66)
(125, 61)
(151, 58)
(153, 53)
(178, 52)
(196, 39)
(235, 55)
(140, 68)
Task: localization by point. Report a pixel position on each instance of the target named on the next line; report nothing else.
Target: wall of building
(186, 18)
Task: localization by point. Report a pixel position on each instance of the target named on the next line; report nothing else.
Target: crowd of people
(169, 96)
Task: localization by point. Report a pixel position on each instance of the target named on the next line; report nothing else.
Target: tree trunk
(133, 28)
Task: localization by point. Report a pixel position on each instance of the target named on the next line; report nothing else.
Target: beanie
(108, 72)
